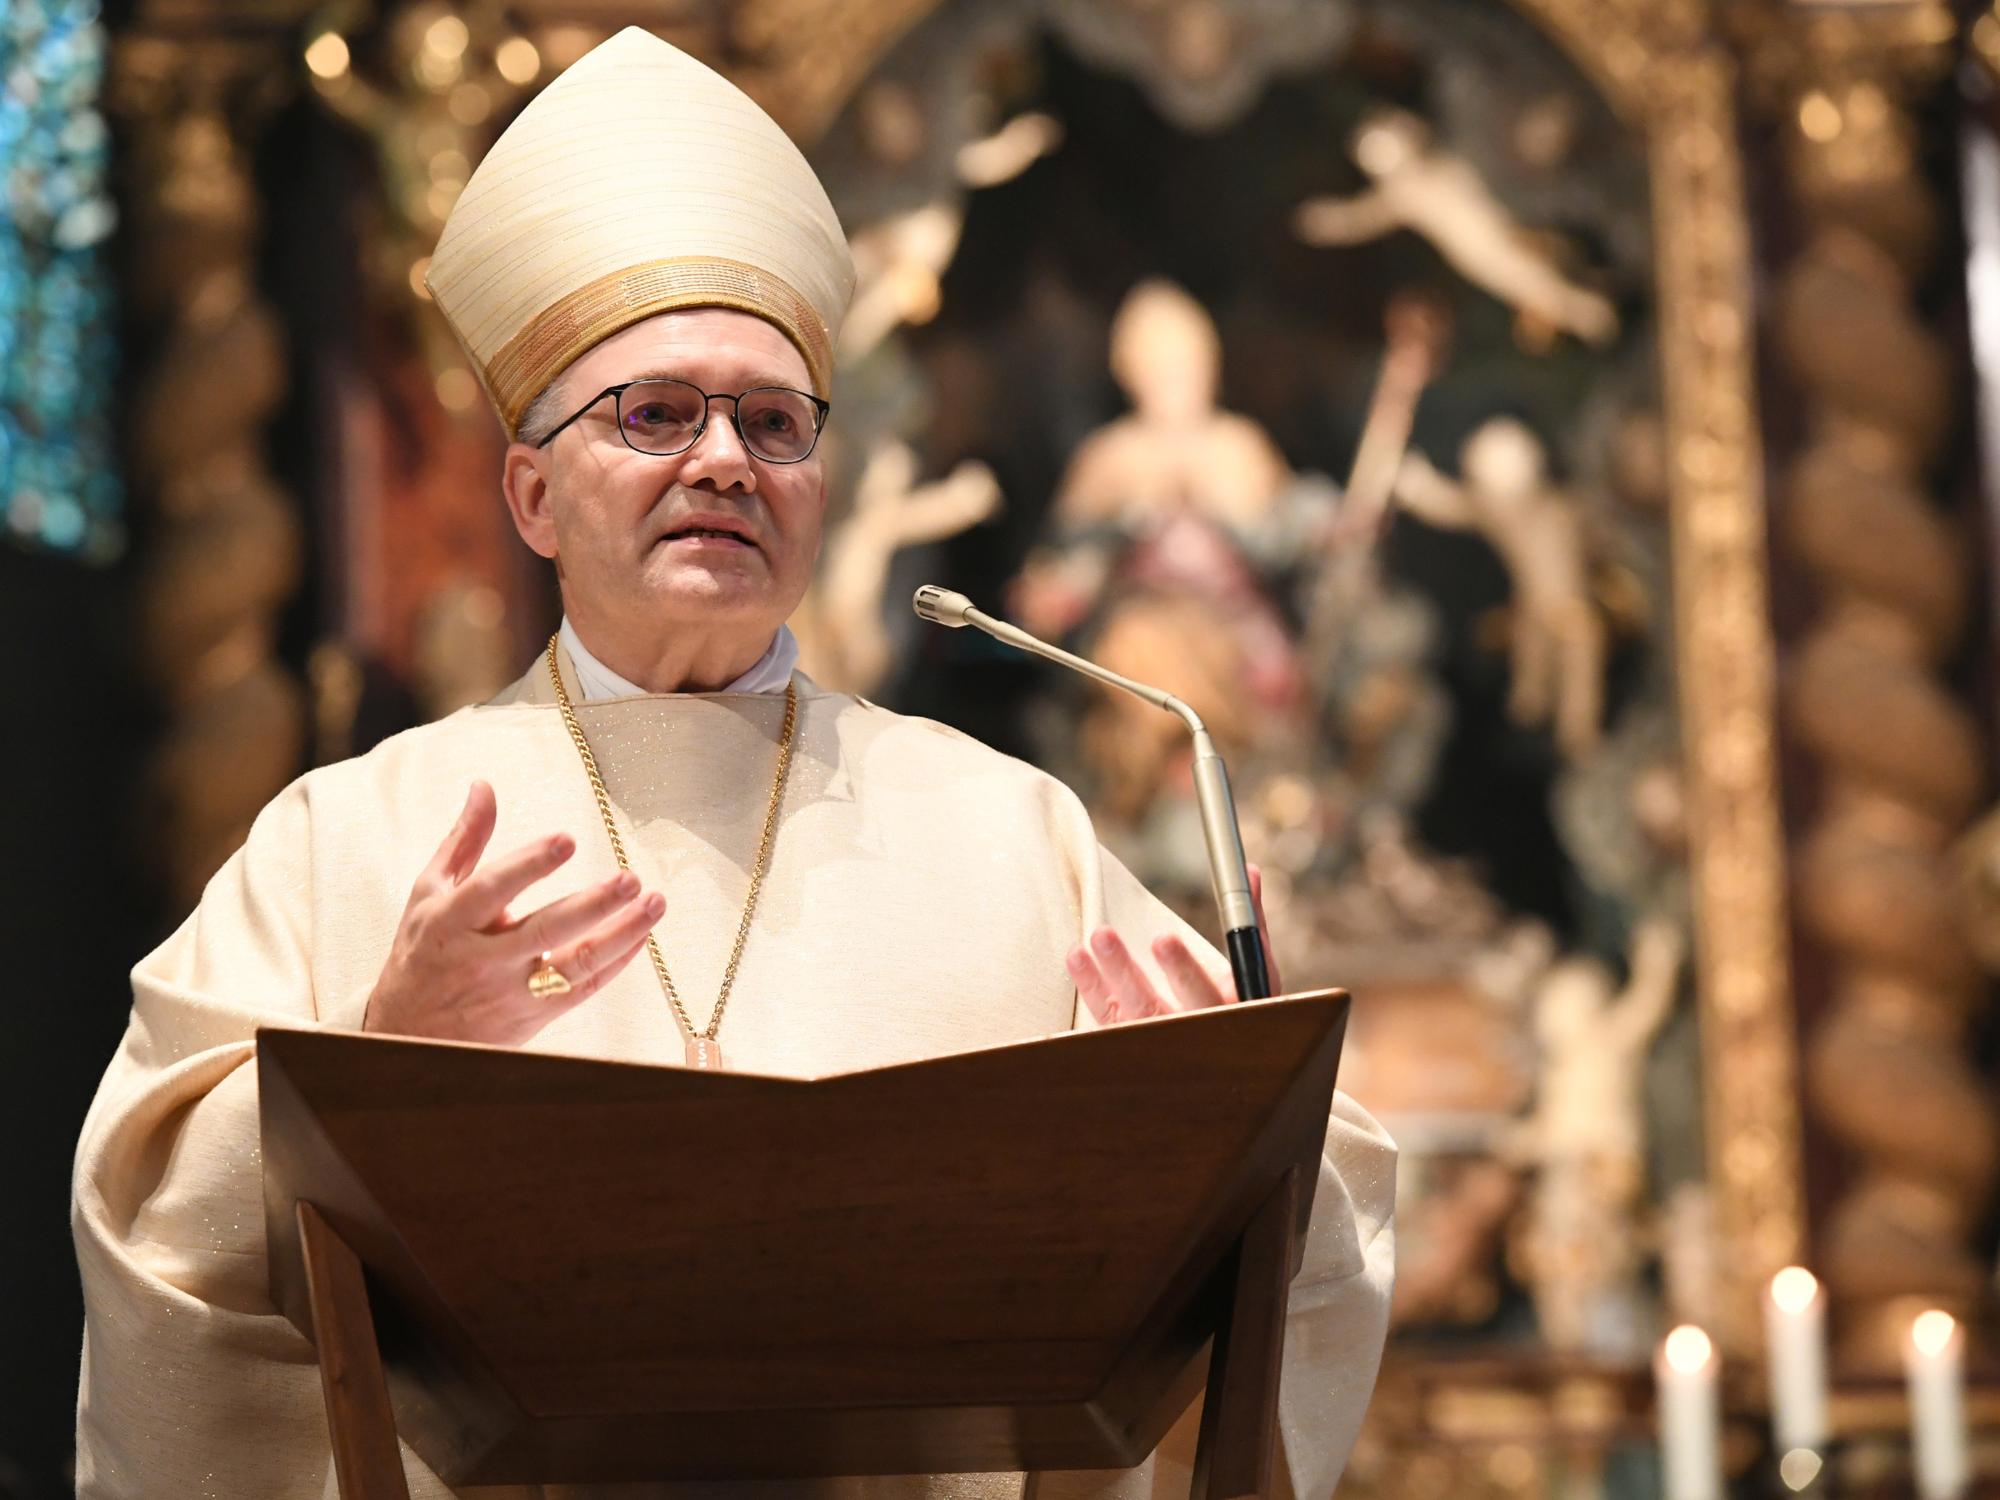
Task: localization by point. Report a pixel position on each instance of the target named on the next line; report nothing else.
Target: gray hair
(540, 416)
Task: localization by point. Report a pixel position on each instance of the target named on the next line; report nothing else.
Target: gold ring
(547, 980)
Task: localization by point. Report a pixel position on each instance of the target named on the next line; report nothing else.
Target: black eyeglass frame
(820, 409)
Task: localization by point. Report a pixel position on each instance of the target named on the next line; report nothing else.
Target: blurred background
(1550, 442)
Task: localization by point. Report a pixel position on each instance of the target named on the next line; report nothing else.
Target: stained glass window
(59, 487)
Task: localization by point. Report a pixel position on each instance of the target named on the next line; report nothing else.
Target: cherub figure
(840, 630)
(900, 260)
(1418, 185)
(899, 266)
(1559, 639)
(1586, 1139)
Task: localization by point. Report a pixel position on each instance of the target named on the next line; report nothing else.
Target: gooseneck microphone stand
(1247, 961)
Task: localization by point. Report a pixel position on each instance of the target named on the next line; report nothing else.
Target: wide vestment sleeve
(192, 1385)
(1338, 1315)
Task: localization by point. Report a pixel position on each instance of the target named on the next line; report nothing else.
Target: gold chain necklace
(703, 1051)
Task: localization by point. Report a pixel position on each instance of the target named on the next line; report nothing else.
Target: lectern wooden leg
(1238, 1445)
(366, 1458)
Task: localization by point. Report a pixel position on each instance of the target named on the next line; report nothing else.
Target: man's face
(619, 522)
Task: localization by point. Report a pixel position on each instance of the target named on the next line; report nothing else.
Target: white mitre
(637, 182)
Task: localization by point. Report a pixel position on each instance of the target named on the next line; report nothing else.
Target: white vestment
(921, 895)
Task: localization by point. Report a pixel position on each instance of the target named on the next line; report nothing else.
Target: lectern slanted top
(586, 1271)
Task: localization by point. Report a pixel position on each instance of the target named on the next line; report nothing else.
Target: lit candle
(1934, 1361)
(1795, 1343)
(1690, 1416)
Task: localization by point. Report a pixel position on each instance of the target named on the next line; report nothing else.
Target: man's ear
(524, 480)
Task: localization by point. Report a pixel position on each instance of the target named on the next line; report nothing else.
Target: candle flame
(328, 57)
(1688, 1349)
(1799, 1468)
(1794, 1288)
(1932, 1332)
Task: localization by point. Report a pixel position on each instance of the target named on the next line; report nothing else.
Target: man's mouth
(712, 532)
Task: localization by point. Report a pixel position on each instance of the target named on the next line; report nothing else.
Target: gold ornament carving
(1888, 1077)
(447, 79)
(802, 60)
(224, 547)
(1984, 41)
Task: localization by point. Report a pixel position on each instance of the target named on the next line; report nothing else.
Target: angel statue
(899, 265)
(1559, 639)
(1420, 186)
(900, 260)
(1586, 1138)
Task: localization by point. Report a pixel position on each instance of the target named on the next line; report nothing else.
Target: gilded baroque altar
(1386, 381)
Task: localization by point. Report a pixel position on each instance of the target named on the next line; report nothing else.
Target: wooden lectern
(550, 1269)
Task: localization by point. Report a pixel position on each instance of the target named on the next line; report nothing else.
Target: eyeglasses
(664, 417)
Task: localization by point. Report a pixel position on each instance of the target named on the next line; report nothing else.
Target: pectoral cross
(705, 1052)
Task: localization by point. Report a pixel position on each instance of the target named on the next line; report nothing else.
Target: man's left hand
(1110, 982)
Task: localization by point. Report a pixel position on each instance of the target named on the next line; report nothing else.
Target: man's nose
(718, 455)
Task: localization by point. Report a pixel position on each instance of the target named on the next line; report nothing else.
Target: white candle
(1690, 1416)
(1934, 1361)
(1795, 1344)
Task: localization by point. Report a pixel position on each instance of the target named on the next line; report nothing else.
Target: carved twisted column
(1898, 760)
(222, 541)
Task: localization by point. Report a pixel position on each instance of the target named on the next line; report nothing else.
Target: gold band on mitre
(587, 316)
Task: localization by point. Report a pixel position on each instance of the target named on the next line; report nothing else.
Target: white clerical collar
(770, 673)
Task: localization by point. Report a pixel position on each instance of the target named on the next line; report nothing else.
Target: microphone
(1211, 782)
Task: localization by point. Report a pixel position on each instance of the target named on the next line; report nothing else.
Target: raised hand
(458, 969)
(1114, 988)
